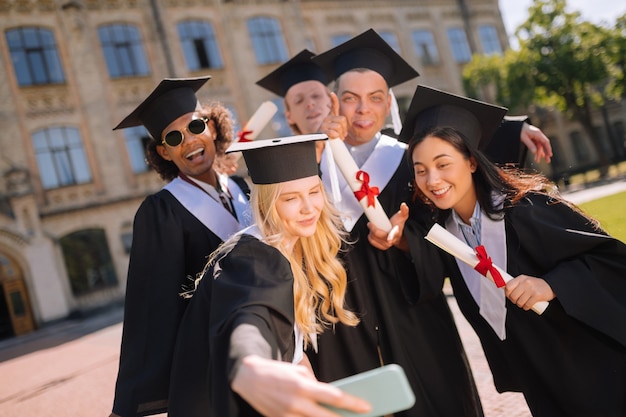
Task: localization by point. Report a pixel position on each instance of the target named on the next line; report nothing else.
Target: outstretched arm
(276, 388)
(504, 147)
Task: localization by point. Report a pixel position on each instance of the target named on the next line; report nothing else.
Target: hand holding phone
(386, 389)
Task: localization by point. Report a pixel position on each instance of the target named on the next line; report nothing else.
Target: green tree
(616, 54)
(562, 62)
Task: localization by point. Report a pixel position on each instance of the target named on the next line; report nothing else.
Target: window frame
(61, 157)
(267, 40)
(35, 56)
(429, 56)
(489, 40)
(123, 50)
(199, 45)
(459, 45)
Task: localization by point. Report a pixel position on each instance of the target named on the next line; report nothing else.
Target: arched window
(199, 45)
(61, 157)
(88, 261)
(123, 50)
(35, 56)
(267, 40)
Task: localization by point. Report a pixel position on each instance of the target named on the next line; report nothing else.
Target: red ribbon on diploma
(242, 136)
(485, 265)
(366, 190)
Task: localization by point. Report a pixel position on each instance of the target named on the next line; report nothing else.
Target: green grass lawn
(611, 212)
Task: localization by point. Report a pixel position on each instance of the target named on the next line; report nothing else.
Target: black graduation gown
(254, 287)
(402, 322)
(570, 361)
(406, 320)
(170, 246)
(506, 146)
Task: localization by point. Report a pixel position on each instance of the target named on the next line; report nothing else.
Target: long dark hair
(488, 178)
(223, 125)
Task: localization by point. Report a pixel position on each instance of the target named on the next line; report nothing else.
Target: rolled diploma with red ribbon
(349, 169)
(258, 121)
(454, 246)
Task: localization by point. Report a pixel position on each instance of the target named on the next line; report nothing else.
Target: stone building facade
(72, 69)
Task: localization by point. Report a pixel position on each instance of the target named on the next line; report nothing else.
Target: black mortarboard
(271, 161)
(298, 69)
(367, 50)
(431, 108)
(172, 98)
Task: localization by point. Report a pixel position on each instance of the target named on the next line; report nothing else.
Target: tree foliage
(562, 62)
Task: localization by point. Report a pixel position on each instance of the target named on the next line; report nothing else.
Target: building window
(88, 261)
(35, 56)
(425, 47)
(459, 45)
(136, 141)
(392, 40)
(489, 40)
(337, 40)
(123, 50)
(60, 157)
(199, 45)
(267, 40)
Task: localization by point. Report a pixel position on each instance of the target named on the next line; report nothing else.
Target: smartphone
(386, 388)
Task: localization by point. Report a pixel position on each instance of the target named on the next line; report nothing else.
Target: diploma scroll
(359, 185)
(258, 121)
(445, 240)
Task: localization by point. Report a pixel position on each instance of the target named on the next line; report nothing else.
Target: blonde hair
(320, 279)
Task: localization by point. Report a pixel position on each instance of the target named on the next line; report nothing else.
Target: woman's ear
(473, 164)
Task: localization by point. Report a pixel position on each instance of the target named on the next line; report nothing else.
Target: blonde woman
(263, 295)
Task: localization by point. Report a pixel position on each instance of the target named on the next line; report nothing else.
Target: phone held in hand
(386, 388)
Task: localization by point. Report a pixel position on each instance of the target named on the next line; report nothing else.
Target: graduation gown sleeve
(426, 257)
(505, 146)
(571, 360)
(585, 268)
(244, 307)
(404, 318)
(169, 247)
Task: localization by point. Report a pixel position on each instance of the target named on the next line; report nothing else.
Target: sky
(515, 12)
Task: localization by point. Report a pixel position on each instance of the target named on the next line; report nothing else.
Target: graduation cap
(270, 161)
(367, 50)
(430, 108)
(298, 69)
(172, 98)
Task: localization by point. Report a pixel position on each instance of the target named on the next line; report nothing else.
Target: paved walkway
(68, 368)
(583, 195)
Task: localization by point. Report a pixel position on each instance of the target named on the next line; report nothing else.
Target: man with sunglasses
(174, 231)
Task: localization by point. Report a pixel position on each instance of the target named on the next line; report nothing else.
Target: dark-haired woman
(571, 360)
